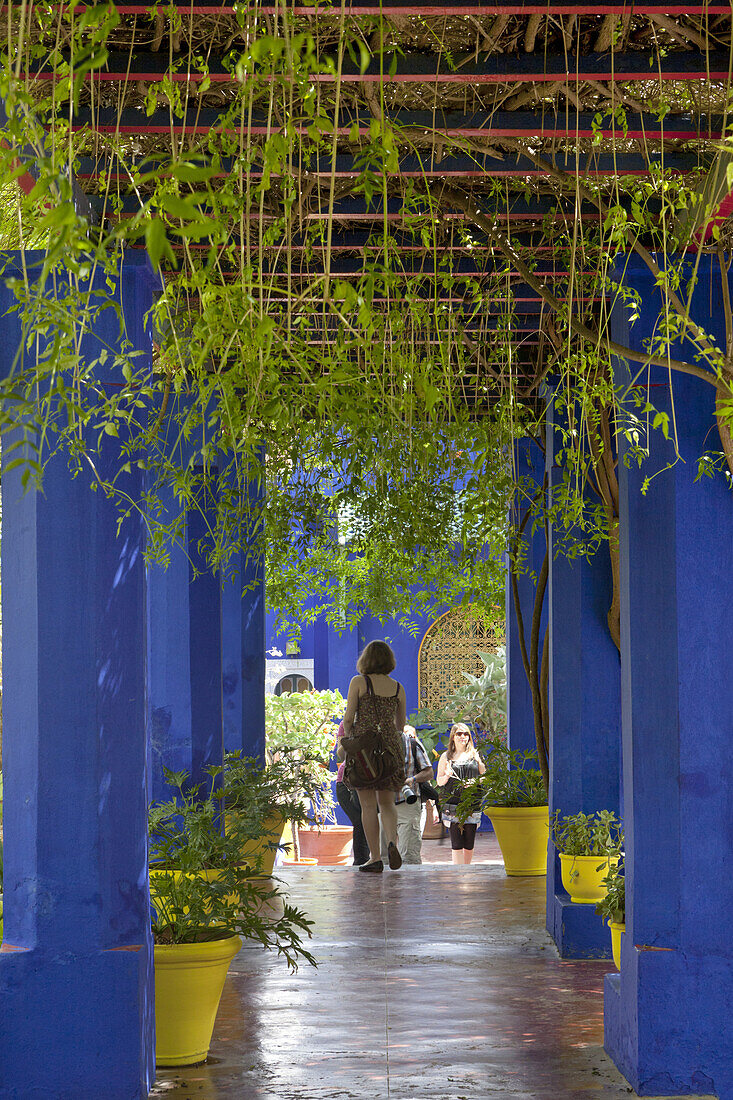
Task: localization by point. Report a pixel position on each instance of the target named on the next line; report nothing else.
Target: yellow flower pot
(582, 876)
(617, 930)
(209, 876)
(262, 849)
(189, 979)
(522, 833)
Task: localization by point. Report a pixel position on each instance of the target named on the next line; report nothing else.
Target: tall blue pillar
(584, 719)
(205, 646)
(529, 473)
(231, 654)
(185, 698)
(243, 618)
(76, 963)
(169, 667)
(667, 1015)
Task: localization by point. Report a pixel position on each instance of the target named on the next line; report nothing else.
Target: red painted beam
(428, 173)
(655, 132)
(577, 75)
(437, 10)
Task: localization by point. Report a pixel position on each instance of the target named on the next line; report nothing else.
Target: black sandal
(376, 867)
(394, 857)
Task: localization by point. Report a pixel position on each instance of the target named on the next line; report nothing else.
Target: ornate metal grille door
(450, 647)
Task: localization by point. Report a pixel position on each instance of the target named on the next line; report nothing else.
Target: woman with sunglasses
(459, 765)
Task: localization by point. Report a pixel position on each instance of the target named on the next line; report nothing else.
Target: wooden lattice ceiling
(488, 98)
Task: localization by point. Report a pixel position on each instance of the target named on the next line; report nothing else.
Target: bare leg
(388, 812)
(370, 822)
(467, 855)
(457, 857)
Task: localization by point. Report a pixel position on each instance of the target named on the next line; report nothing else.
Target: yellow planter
(189, 979)
(209, 876)
(264, 848)
(617, 930)
(582, 876)
(522, 833)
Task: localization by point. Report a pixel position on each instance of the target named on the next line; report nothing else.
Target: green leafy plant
(300, 732)
(482, 701)
(258, 798)
(613, 906)
(511, 779)
(596, 834)
(199, 886)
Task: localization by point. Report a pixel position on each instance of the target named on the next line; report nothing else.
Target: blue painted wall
(667, 1015)
(334, 654)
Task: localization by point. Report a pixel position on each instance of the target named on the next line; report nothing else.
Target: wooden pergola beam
(151, 68)
(423, 125)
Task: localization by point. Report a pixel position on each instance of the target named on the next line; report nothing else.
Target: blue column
(185, 705)
(529, 472)
(204, 642)
(244, 636)
(584, 719)
(667, 1015)
(76, 964)
(169, 667)
(231, 654)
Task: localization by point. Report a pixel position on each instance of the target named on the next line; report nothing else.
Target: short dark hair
(376, 657)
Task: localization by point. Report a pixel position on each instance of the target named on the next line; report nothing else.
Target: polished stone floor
(433, 983)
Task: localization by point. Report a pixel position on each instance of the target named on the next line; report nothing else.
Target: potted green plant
(302, 725)
(259, 801)
(205, 900)
(513, 796)
(589, 846)
(613, 908)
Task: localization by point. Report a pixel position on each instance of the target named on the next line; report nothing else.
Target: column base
(77, 1027)
(578, 931)
(667, 1022)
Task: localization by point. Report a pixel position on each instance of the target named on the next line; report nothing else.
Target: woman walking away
(458, 765)
(374, 748)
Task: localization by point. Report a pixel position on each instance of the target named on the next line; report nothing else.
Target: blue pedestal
(577, 929)
(76, 965)
(585, 723)
(668, 1021)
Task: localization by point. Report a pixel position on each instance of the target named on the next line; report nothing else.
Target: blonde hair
(376, 658)
(460, 727)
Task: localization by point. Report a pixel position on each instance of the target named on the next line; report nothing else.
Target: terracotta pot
(287, 862)
(434, 829)
(330, 845)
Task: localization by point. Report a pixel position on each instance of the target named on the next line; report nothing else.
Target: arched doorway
(451, 646)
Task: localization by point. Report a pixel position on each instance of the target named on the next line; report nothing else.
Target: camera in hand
(408, 795)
